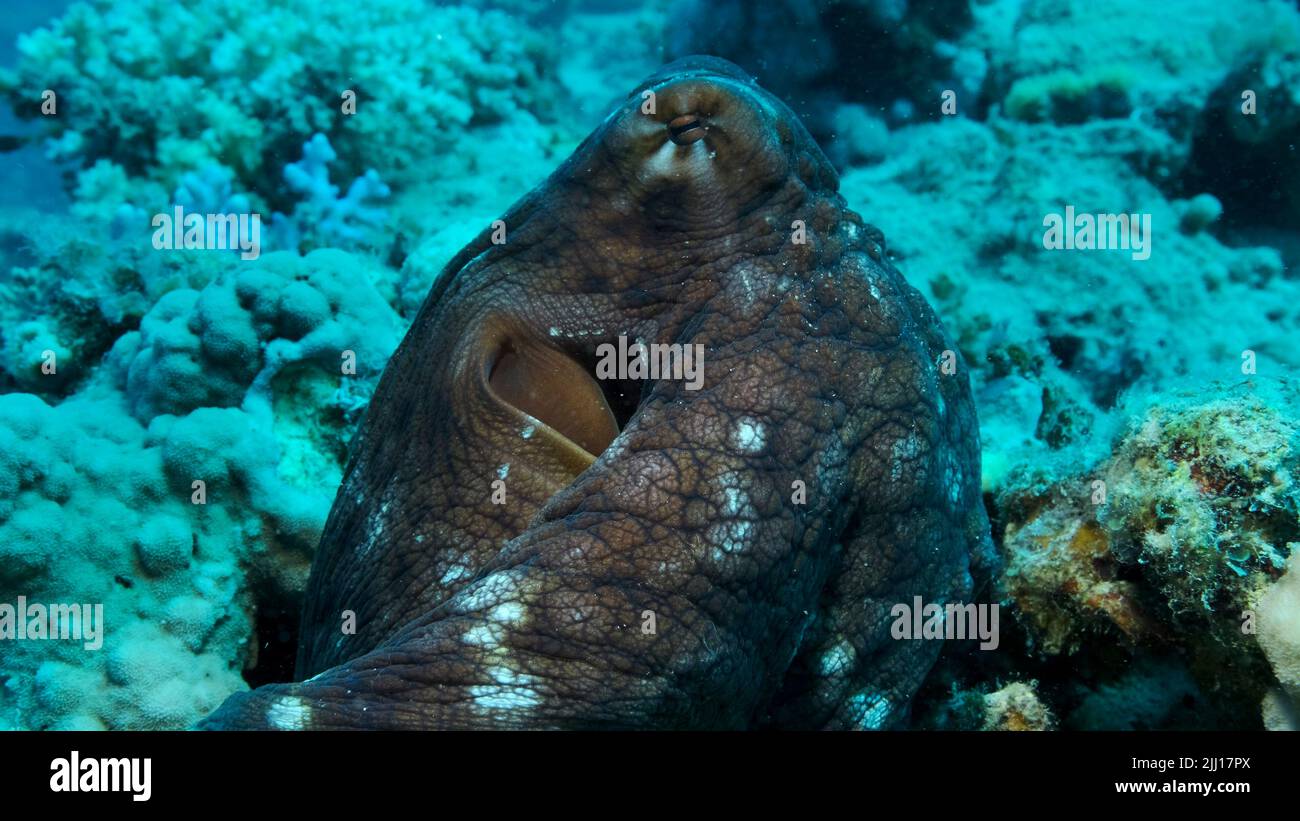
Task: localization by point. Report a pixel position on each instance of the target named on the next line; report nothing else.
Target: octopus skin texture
(522, 545)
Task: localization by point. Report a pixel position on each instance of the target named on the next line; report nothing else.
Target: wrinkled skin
(821, 367)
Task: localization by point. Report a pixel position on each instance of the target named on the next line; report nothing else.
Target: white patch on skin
(734, 497)
(373, 533)
(748, 287)
(528, 431)
(729, 538)
(482, 635)
(734, 535)
(454, 574)
(750, 436)
(512, 692)
(736, 500)
(909, 447)
(953, 478)
(670, 158)
(494, 590)
(838, 660)
(508, 613)
(832, 468)
(489, 633)
(288, 713)
(870, 712)
(375, 525)
(577, 334)
(503, 471)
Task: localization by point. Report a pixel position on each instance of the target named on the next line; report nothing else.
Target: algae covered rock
(1176, 540)
(1203, 496)
(1016, 707)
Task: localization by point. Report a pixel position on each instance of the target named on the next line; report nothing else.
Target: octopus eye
(685, 129)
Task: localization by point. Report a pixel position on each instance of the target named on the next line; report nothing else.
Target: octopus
(519, 543)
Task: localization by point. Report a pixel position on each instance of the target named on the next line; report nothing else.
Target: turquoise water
(1101, 202)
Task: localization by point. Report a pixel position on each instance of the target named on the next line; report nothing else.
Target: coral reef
(253, 97)
(323, 218)
(248, 376)
(90, 516)
(1050, 334)
(240, 386)
(1171, 541)
(74, 283)
(811, 52)
(207, 348)
(1142, 490)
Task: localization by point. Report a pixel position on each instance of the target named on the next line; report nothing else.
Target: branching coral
(322, 218)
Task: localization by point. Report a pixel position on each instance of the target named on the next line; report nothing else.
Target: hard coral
(322, 218)
(89, 518)
(254, 98)
(98, 507)
(209, 347)
(1061, 576)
